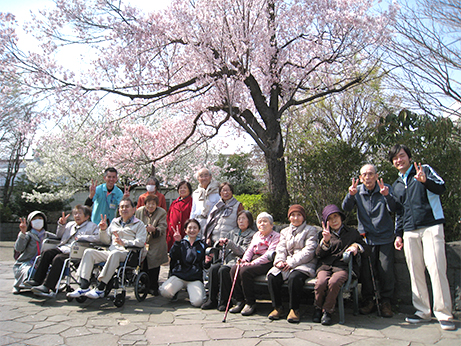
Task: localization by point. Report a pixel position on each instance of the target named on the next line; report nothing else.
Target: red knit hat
(299, 208)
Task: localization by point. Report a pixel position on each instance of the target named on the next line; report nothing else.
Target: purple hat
(331, 209)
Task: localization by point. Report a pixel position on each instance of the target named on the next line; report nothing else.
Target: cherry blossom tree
(205, 62)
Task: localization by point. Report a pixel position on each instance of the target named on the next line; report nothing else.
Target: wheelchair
(70, 265)
(129, 273)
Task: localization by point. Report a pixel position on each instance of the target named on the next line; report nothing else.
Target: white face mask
(37, 224)
(150, 188)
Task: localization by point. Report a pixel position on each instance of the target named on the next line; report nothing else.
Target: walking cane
(231, 292)
(375, 288)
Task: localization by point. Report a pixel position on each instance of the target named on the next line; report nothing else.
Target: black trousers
(244, 286)
(382, 261)
(55, 258)
(295, 283)
(219, 283)
(153, 276)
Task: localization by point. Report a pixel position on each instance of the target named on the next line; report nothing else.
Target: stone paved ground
(26, 320)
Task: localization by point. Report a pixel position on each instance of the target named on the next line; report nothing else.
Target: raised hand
(353, 187)
(92, 189)
(126, 192)
(63, 219)
(326, 232)
(22, 224)
(117, 239)
(150, 228)
(103, 223)
(420, 175)
(177, 234)
(383, 189)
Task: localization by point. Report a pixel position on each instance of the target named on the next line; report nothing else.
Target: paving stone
(77, 331)
(427, 333)
(98, 339)
(173, 334)
(243, 342)
(326, 338)
(16, 327)
(224, 333)
(46, 340)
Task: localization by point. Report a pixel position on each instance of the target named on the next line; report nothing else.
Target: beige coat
(297, 247)
(158, 251)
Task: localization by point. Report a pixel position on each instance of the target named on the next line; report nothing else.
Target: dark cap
(299, 208)
(331, 209)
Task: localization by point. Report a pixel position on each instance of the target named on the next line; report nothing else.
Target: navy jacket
(421, 202)
(188, 260)
(373, 213)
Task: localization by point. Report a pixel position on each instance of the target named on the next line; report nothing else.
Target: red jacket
(161, 200)
(177, 215)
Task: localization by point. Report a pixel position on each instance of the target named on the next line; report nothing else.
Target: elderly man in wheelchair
(45, 279)
(123, 232)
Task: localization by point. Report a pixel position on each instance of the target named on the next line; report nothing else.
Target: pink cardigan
(262, 246)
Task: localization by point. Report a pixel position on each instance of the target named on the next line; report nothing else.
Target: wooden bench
(349, 286)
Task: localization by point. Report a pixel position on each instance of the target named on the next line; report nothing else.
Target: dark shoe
(209, 304)
(31, 283)
(416, 319)
(238, 308)
(317, 317)
(326, 319)
(153, 292)
(294, 316)
(276, 314)
(368, 308)
(175, 297)
(248, 310)
(386, 310)
(222, 308)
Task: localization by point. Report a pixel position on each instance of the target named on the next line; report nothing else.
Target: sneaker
(294, 316)
(416, 319)
(248, 310)
(368, 308)
(30, 283)
(78, 293)
(276, 314)
(317, 317)
(447, 325)
(238, 308)
(95, 293)
(326, 319)
(40, 289)
(386, 310)
(209, 304)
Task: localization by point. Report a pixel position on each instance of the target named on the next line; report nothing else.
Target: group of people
(211, 217)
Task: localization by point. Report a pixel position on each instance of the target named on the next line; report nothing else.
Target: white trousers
(425, 248)
(195, 289)
(92, 256)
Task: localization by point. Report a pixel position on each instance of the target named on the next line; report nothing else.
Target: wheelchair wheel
(69, 289)
(141, 286)
(120, 299)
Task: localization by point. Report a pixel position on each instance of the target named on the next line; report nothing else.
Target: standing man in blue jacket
(105, 197)
(419, 230)
(375, 203)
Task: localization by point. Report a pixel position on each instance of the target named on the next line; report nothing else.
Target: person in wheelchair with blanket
(81, 229)
(123, 232)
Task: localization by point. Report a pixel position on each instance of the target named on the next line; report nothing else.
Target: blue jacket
(373, 213)
(105, 204)
(421, 202)
(187, 259)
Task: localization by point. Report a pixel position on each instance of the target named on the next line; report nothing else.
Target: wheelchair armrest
(348, 258)
(212, 251)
